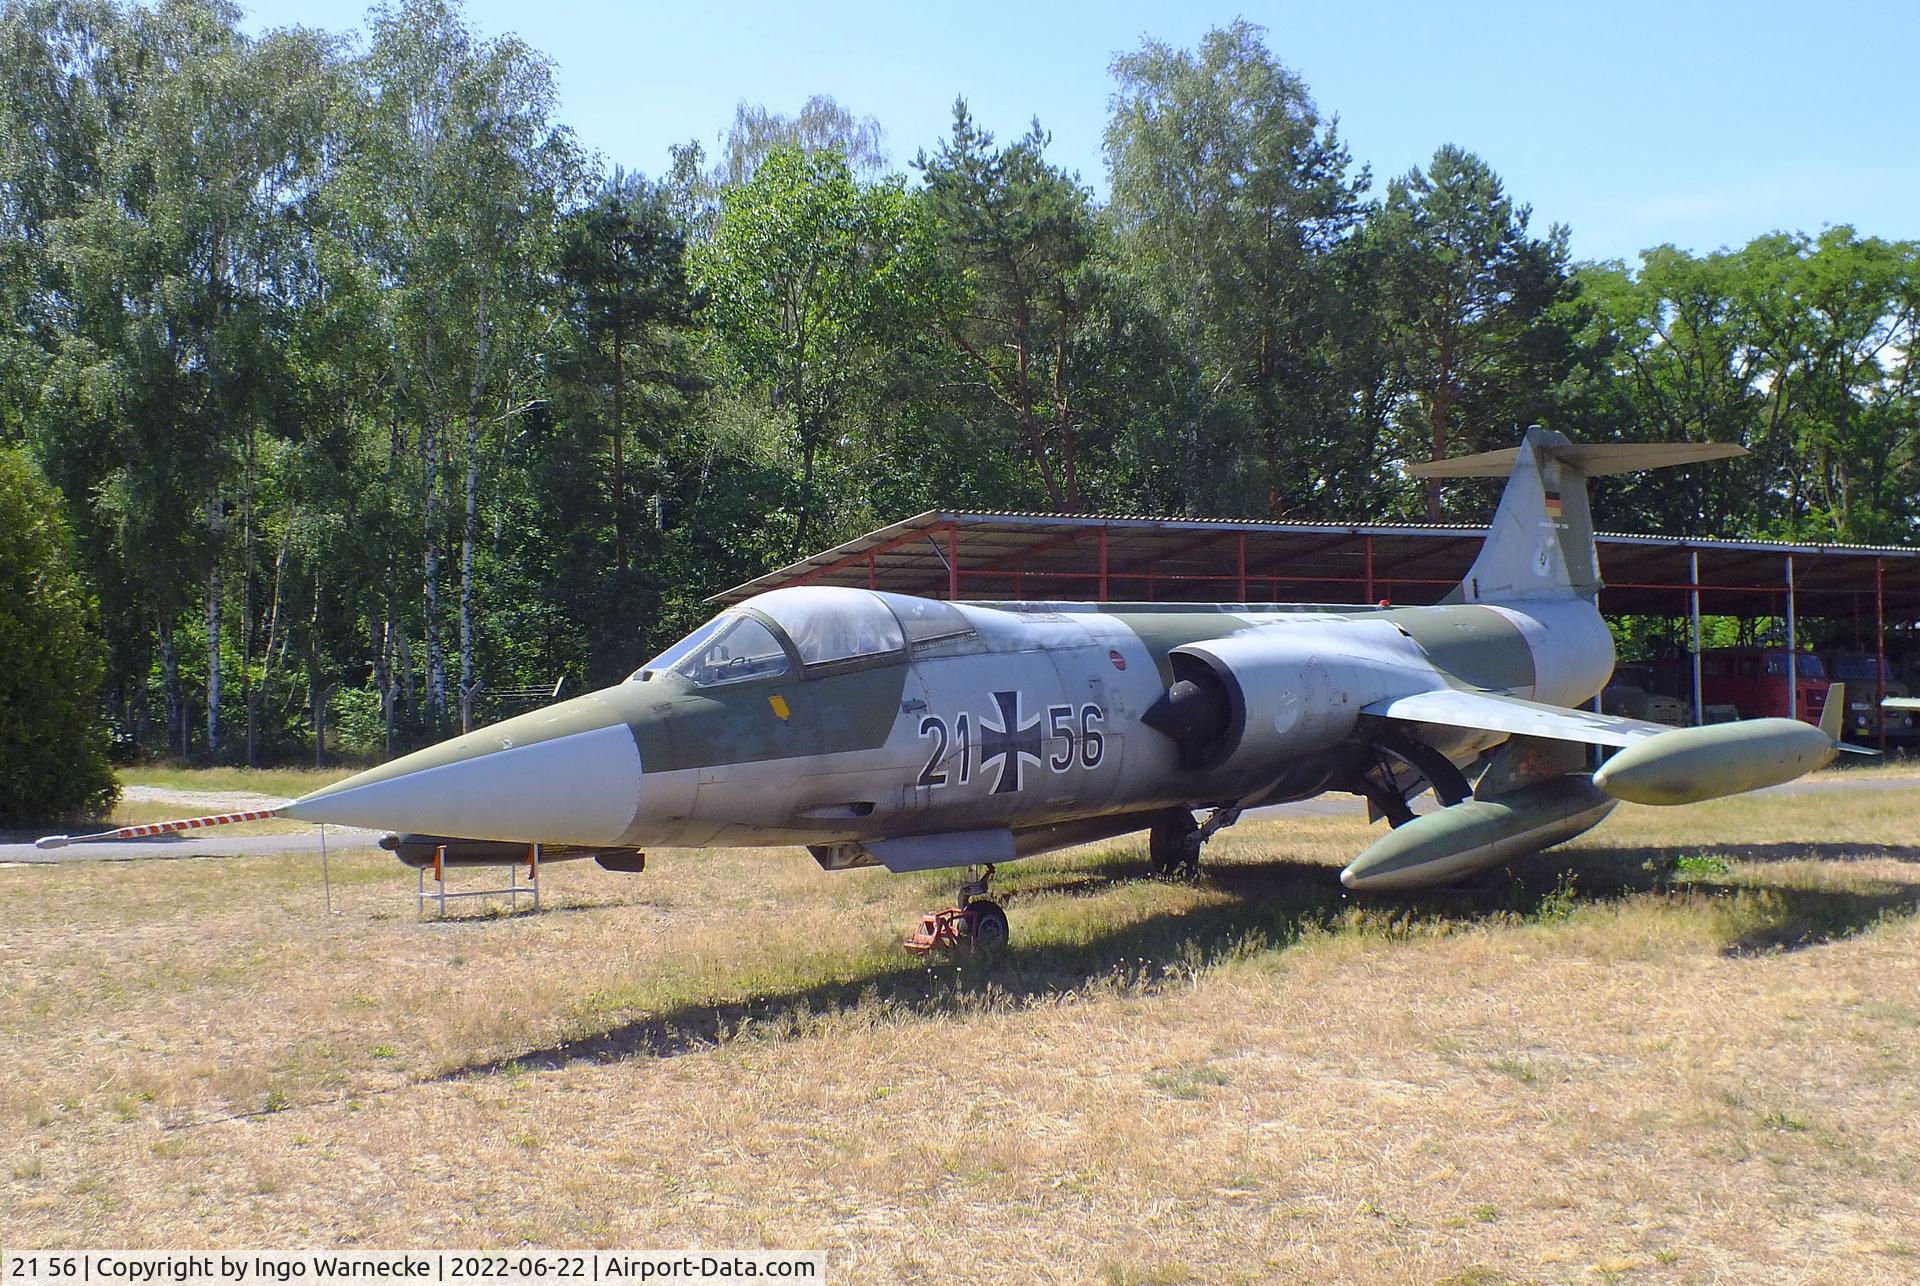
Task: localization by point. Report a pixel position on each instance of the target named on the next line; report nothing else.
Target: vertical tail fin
(1833, 715)
(1540, 543)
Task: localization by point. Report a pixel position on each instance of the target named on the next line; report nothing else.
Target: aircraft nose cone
(566, 775)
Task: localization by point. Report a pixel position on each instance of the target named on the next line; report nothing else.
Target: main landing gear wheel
(1173, 845)
(974, 926)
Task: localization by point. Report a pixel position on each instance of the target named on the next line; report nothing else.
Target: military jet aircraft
(911, 733)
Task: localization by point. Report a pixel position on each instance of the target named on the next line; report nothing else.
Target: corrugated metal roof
(1008, 554)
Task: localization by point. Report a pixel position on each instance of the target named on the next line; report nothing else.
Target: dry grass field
(1696, 1058)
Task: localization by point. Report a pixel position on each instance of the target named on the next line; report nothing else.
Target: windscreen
(726, 649)
(1806, 667)
(1855, 669)
(680, 651)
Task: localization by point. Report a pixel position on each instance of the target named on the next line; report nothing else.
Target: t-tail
(1540, 543)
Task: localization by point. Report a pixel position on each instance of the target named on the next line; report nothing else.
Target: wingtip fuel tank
(1478, 833)
(1689, 765)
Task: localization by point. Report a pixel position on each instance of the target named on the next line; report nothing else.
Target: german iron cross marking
(1012, 743)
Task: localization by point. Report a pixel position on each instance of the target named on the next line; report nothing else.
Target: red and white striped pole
(157, 828)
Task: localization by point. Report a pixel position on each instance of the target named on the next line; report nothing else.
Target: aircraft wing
(1493, 713)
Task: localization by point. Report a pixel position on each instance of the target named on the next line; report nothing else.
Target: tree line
(371, 400)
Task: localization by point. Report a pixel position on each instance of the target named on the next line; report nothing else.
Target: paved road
(345, 839)
(340, 839)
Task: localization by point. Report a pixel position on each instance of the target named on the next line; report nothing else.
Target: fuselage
(828, 717)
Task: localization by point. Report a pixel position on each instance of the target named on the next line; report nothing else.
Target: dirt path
(206, 801)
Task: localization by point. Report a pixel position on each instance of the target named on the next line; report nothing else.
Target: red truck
(1753, 680)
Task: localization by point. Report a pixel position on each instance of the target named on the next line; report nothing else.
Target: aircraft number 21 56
(1006, 742)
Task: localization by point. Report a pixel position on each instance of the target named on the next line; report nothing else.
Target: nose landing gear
(975, 925)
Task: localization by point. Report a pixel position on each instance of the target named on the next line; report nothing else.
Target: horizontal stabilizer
(1490, 712)
(1833, 720)
(1593, 459)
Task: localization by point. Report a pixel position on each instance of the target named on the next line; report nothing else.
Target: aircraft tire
(1170, 847)
(988, 926)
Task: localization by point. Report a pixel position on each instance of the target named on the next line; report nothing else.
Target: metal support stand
(512, 892)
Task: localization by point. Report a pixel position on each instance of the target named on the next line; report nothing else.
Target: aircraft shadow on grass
(1273, 902)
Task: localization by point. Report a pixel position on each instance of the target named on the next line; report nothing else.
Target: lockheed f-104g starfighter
(913, 733)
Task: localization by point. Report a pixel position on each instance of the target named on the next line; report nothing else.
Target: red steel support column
(1104, 595)
(873, 559)
(1371, 598)
(1793, 648)
(1880, 647)
(953, 561)
(1242, 553)
(1693, 641)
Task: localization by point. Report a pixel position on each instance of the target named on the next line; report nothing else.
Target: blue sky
(1699, 124)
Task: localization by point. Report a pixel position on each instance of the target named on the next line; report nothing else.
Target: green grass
(1190, 1082)
(1701, 866)
(1521, 1069)
(261, 781)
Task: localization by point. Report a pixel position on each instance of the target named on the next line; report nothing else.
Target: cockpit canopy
(827, 624)
(807, 629)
